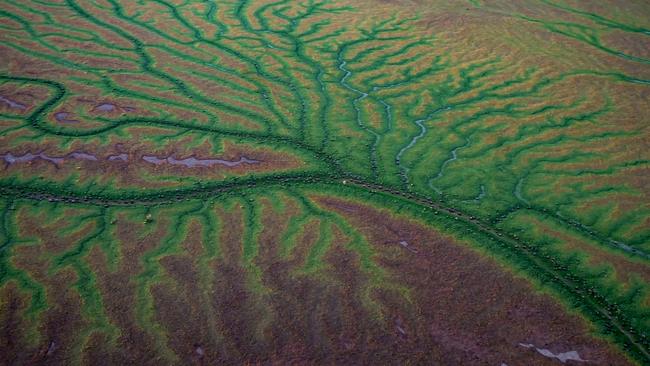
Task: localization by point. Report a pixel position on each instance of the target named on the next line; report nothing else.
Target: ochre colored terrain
(408, 182)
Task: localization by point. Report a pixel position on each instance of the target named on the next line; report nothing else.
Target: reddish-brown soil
(466, 307)
(430, 300)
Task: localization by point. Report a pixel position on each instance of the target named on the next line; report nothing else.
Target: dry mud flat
(324, 182)
(437, 301)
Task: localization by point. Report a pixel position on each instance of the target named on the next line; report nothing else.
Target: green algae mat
(312, 182)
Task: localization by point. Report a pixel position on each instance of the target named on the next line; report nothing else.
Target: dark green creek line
(318, 93)
(594, 305)
(581, 32)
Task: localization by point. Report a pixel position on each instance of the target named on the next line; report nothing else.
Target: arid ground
(324, 182)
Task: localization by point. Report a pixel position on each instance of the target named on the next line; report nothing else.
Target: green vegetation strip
(398, 138)
(526, 257)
